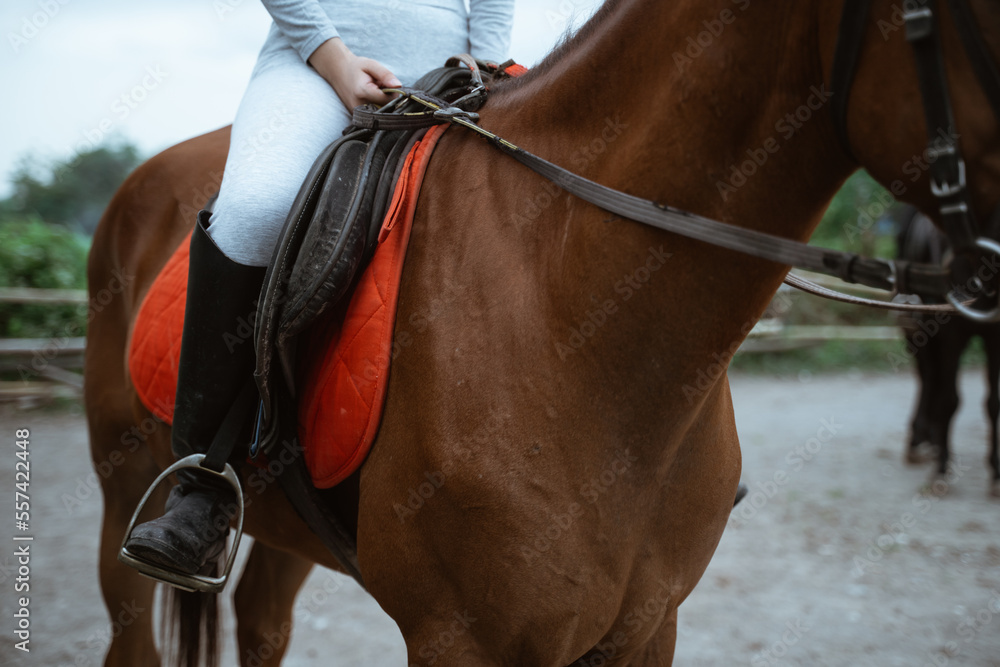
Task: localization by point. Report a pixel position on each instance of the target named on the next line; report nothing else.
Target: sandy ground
(835, 558)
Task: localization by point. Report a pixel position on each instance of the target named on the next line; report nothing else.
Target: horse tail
(190, 628)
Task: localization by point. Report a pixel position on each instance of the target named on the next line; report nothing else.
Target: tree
(74, 192)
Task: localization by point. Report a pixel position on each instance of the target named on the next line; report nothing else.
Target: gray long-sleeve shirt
(308, 23)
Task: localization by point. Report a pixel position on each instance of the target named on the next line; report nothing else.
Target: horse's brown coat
(563, 378)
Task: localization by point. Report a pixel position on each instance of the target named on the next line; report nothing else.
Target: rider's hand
(355, 80)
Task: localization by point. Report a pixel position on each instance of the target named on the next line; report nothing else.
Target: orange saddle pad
(345, 370)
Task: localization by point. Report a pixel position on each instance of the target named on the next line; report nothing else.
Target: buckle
(934, 153)
(182, 580)
(454, 113)
(919, 23)
(964, 307)
(944, 190)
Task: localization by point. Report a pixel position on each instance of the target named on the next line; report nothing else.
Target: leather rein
(947, 171)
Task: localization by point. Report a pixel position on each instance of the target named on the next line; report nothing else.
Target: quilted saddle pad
(345, 358)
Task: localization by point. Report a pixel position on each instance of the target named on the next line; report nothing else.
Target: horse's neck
(633, 105)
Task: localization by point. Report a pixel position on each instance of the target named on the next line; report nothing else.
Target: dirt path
(834, 559)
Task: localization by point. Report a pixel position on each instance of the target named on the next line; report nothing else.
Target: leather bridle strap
(850, 38)
(980, 57)
(800, 283)
(852, 268)
(947, 169)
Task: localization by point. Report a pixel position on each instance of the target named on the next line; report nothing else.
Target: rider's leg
(288, 115)
(213, 369)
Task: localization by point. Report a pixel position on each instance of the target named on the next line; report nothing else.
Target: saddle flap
(332, 230)
(329, 243)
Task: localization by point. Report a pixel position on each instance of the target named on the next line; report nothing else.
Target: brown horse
(564, 372)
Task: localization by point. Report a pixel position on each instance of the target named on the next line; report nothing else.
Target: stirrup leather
(184, 581)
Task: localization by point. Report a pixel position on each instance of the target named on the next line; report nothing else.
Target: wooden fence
(56, 360)
(47, 367)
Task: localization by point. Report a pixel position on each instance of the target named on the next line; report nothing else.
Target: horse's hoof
(920, 453)
(936, 486)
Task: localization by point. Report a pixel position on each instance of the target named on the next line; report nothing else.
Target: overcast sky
(75, 72)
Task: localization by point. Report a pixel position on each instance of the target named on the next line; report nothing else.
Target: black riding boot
(215, 365)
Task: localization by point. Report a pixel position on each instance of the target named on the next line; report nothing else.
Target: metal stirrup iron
(213, 463)
(188, 582)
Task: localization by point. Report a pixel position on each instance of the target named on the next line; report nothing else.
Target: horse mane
(566, 45)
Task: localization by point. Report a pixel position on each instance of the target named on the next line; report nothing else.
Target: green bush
(35, 254)
(850, 222)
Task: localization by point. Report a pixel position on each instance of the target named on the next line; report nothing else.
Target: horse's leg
(263, 602)
(946, 347)
(124, 463)
(920, 438)
(128, 596)
(991, 341)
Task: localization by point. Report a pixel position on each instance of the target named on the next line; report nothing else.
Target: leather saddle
(329, 236)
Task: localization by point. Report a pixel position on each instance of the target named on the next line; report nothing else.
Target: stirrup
(187, 582)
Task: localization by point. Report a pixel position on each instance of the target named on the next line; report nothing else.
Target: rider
(308, 77)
